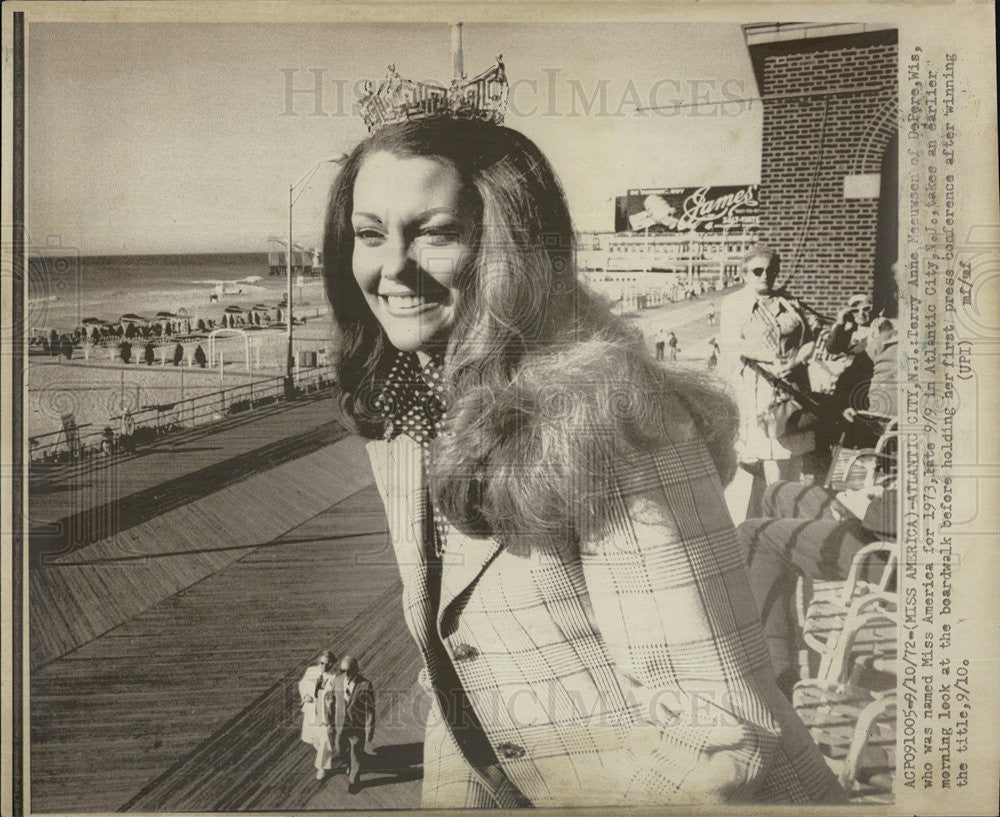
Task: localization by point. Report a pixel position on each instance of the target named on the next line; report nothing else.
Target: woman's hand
(805, 352)
(845, 316)
(857, 502)
(712, 775)
(782, 368)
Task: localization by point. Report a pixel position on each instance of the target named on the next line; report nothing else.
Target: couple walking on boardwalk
(338, 714)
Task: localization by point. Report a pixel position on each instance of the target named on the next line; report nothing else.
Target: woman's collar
(412, 398)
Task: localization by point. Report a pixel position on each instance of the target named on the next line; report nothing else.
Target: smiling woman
(554, 496)
(412, 239)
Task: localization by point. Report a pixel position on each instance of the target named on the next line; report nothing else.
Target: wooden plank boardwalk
(80, 596)
(245, 488)
(192, 705)
(71, 506)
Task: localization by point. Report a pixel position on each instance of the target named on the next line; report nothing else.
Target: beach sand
(93, 389)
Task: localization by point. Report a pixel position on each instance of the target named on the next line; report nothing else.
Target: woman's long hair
(544, 386)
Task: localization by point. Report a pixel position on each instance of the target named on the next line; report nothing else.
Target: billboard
(686, 209)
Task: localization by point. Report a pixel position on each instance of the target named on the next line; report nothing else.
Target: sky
(183, 137)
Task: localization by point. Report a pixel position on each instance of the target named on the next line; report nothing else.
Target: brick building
(828, 197)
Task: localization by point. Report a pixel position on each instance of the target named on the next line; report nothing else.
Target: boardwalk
(71, 506)
(176, 597)
(192, 704)
(177, 513)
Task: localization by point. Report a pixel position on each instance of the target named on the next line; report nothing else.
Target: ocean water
(62, 290)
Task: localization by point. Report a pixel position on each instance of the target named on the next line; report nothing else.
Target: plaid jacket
(627, 667)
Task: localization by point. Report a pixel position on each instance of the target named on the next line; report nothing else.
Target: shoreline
(187, 300)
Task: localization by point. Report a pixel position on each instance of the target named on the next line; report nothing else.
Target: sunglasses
(758, 271)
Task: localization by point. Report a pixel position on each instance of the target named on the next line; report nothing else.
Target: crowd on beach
(187, 342)
(133, 328)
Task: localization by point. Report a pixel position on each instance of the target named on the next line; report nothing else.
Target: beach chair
(851, 625)
(849, 703)
(850, 707)
(855, 729)
(856, 468)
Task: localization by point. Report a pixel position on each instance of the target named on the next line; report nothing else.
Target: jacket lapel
(399, 474)
(398, 469)
(354, 691)
(464, 560)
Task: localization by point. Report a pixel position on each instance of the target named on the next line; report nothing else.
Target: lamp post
(301, 185)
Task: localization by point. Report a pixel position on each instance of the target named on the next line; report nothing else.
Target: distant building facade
(670, 243)
(305, 261)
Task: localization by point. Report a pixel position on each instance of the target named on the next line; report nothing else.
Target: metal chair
(849, 704)
(829, 622)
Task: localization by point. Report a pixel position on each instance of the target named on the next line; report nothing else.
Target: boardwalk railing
(148, 423)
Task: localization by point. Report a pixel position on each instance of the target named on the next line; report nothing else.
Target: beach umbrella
(131, 317)
(92, 322)
(233, 310)
(165, 315)
(261, 307)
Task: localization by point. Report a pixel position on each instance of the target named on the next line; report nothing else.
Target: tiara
(400, 100)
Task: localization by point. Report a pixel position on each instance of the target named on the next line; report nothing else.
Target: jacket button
(465, 652)
(510, 751)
